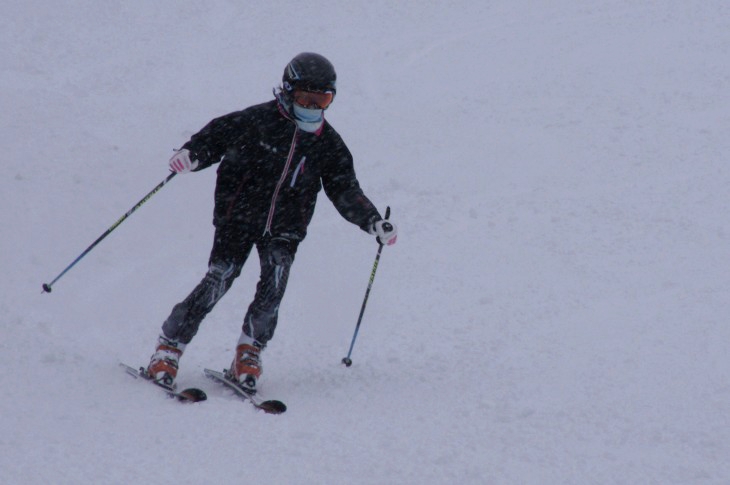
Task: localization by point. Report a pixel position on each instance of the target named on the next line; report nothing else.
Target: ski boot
(246, 367)
(163, 365)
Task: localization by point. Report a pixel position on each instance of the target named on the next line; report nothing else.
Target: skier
(274, 159)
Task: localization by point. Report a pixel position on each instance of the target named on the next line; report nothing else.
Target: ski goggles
(313, 99)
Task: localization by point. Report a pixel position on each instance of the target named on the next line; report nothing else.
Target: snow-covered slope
(555, 310)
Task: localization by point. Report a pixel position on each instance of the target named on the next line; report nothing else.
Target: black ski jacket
(270, 172)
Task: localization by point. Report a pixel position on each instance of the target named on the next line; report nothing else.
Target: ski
(271, 406)
(186, 395)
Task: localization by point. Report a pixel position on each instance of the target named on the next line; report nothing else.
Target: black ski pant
(230, 251)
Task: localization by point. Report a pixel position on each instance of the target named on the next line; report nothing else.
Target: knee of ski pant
(281, 251)
(221, 272)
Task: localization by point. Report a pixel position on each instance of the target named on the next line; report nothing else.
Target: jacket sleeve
(342, 188)
(210, 144)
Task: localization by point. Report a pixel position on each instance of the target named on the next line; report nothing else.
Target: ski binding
(271, 406)
(186, 395)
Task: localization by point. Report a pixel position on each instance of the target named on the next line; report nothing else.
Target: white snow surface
(555, 310)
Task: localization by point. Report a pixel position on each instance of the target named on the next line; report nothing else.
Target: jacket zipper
(289, 158)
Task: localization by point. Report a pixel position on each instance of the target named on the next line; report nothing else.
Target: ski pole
(347, 360)
(47, 286)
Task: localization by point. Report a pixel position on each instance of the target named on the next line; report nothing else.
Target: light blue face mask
(308, 119)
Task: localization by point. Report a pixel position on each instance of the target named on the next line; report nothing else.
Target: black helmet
(310, 72)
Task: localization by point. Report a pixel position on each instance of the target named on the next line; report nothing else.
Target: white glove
(180, 162)
(385, 231)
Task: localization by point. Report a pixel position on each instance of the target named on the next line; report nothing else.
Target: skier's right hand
(181, 163)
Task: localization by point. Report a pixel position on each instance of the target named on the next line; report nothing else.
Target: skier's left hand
(386, 232)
